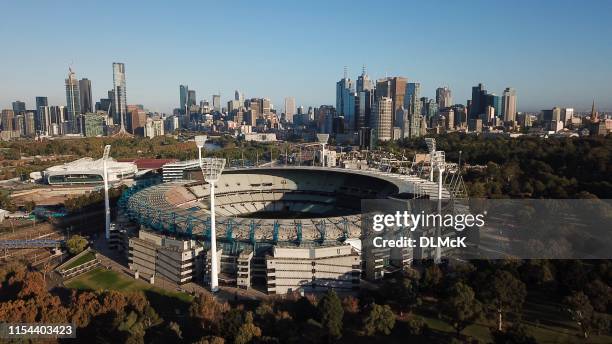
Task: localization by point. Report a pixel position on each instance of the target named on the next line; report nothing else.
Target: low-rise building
(313, 269)
(176, 260)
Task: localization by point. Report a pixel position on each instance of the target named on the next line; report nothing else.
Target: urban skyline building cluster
(366, 111)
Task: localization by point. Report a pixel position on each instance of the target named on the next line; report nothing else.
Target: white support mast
(106, 201)
(211, 171)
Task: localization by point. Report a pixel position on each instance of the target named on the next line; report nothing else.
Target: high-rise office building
(7, 120)
(86, 100)
(363, 108)
(289, 108)
(183, 94)
(73, 102)
(509, 105)
(479, 104)
(41, 113)
(41, 101)
(394, 88)
(216, 102)
(382, 123)
(191, 98)
(43, 119)
(363, 82)
(444, 97)
(29, 126)
(566, 115)
(345, 100)
(120, 94)
(412, 98)
(19, 107)
(495, 102)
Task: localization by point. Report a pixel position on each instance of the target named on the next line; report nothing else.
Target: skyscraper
(120, 94)
(41, 101)
(444, 97)
(495, 101)
(7, 120)
(363, 108)
(73, 102)
(239, 97)
(289, 108)
(363, 82)
(478, 105)
(413, 104)
(509, 105)
(18, 107)
(216, 100)
(394, 88)
(183, 93)
(191, 98)
(42, 114)
(382, 122)
(345, 100)
(86, 101)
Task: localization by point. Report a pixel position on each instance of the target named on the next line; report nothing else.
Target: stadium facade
(88, 171)
(281, 229)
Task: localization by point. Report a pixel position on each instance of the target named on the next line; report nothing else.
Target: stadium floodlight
(431, 147)
(106, 201)
(323, 138)
(211, 170)
(200, 140)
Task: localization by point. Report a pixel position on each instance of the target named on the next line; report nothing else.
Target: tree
(208, 312)
(380, 319)
(581, 311)
(331, 313)
(431, 278)
(247, 331)
(76, 244)
(461, 307)
(600, 295)
(504, 293)
(29, 206)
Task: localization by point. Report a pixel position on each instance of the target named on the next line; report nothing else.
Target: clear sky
(552, 52)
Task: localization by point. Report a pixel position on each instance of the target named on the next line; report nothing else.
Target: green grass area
(81, 260)
(104, 279)
(171, 305)
(542, 317)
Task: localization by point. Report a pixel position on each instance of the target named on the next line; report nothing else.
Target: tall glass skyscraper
(73, 102)
(183, 94)
(86, 101)
(120, 96)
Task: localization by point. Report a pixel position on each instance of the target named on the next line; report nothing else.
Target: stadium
(88, 171)
(282, 228)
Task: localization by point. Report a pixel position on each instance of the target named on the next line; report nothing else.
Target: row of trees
(129, 317)
(468, 293)
(487, 292)
(527, 167)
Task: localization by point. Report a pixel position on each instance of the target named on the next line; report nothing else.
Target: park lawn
(104, 279)
(81, 260)
(542, 317)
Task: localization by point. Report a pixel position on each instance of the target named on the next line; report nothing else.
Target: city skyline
(563, 65)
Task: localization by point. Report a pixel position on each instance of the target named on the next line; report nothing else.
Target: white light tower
(106, 201)
(200, 140)
(212, 169)
(431, 147)
(323, 138)
(439, 163)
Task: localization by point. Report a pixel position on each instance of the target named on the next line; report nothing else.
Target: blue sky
(552, 52)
